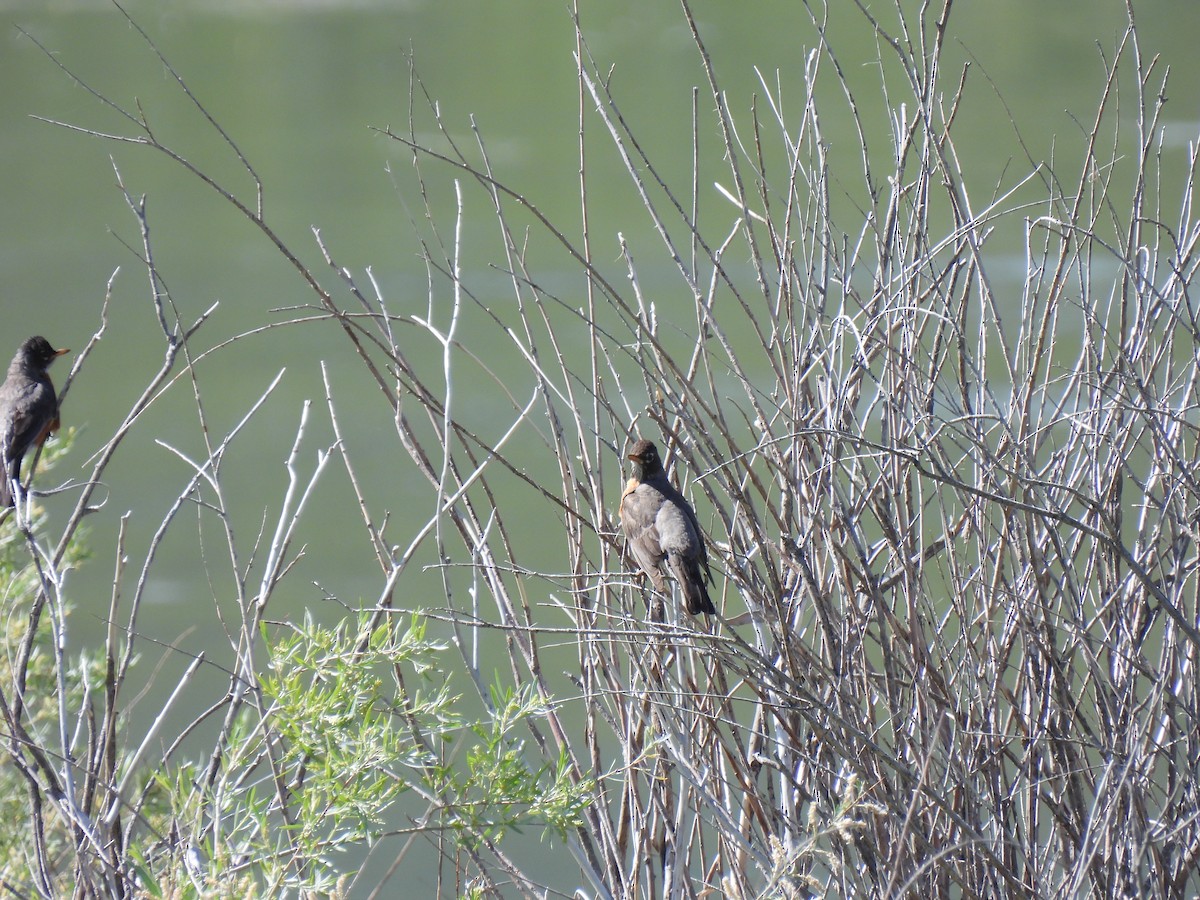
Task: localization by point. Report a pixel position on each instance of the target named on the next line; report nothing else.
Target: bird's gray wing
(676, 533)
(695, 537)
(640, 508)
(30, 407)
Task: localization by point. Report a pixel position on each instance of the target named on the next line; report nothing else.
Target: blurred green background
(300, 87)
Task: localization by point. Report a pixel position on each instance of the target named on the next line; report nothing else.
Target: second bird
(662, 530)
(28, 409)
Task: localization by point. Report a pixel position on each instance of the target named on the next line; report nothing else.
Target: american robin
(28, 410)
(661, 527)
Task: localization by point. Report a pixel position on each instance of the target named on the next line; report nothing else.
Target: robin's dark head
(37, 353)
(645, 459)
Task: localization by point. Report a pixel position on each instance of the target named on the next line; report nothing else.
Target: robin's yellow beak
(62, 351)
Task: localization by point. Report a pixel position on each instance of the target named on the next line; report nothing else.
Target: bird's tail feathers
(691, 582)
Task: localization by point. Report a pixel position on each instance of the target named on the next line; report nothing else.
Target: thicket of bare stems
(953, 528)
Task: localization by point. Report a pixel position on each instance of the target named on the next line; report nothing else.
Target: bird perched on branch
(662, 530)
(28, 410)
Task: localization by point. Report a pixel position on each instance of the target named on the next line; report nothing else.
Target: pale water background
(299, 86)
